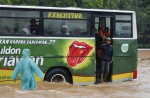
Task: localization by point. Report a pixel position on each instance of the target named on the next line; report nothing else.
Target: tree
(144, 5)
(89, 3)
(110, 4)
(59, 3)
(5, 1)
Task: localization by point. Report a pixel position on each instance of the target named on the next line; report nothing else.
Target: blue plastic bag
(26, 67)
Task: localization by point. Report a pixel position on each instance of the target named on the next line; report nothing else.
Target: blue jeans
(105, 66)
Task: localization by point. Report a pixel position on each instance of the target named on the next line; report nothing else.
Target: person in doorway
(26, 67)
(101, 34)
(107, 32)
(98, 39)
(106, 59)
(104, 34)
(34, 28)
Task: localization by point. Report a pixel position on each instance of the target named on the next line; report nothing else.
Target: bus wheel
(58, 75)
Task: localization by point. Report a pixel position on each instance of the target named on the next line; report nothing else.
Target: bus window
(11, 26)
(123, 17)
(15, 26)
(34, 27)
(54, 27)
(104, 23)
(123, 26)
(74, 21)
(123, 30)
(17, 23)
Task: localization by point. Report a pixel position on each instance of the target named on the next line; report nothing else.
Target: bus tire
(58, 75)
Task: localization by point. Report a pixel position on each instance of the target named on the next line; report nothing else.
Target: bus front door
(103, 22)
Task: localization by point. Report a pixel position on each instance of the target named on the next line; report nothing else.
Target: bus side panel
(75, 54)
(124, 59)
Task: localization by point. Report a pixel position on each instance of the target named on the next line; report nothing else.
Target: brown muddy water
(138, 88)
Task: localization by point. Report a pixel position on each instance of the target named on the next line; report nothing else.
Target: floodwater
(138, 88)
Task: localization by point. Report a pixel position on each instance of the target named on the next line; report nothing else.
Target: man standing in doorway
(106, 59)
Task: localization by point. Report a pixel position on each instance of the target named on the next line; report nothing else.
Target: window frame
(10, 17)
(123, 21)
(88, 20)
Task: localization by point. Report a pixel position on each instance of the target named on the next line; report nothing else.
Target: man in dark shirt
(106, 59)
(34, 28)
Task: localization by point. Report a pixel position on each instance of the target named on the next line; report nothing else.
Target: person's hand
(104, 38)
(111, 61)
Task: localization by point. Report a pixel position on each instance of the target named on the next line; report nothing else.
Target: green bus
(66, 57)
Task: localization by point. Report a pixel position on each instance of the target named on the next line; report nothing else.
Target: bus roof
(64, 8)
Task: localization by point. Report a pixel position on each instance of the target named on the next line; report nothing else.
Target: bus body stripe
(122, 76)
(80, 79)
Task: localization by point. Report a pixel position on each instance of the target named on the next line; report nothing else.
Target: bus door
(102, 21)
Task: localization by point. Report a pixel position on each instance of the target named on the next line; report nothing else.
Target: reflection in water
(138, 88)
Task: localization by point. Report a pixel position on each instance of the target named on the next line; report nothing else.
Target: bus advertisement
(74, 54)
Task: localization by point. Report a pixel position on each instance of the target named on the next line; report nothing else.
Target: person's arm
(111, 54)
(36, 69)
(101, 47)
(15, 72)
(100, 32)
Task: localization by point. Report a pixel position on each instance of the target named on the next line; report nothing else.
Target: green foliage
(89, 3)
(110, 4)
(5, 1)
(25, 2)
(58, 3)
(144, 16)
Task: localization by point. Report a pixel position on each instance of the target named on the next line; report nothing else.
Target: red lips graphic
(77, 53)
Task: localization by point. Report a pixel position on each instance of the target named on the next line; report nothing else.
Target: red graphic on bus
(77, 53)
